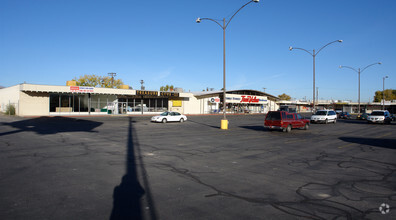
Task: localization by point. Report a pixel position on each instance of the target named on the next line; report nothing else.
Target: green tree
(108, 82)
(284, 97)
(98, 81)
(166, 88)
(389, 94)
(88, 80)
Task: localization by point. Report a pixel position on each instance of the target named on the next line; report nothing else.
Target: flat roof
(84, 89)
(239, 91)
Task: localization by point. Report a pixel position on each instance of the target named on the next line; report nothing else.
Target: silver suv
(379, 117)
(324, 116)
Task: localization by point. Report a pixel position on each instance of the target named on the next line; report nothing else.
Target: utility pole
(383, 92)
(264, 89)
(112, 78)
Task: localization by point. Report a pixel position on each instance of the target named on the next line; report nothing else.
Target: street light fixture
(383, 92)
(360, 71)
(224, 122)
(313, 54)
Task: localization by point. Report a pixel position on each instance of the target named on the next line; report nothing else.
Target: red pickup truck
(285, 121)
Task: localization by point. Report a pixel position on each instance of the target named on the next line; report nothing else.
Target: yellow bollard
(224, 124)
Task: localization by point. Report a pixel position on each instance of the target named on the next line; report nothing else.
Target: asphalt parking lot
(130, 168)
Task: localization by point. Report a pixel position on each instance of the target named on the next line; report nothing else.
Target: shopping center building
(50, 100)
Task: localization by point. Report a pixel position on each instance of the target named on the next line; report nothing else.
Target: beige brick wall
(9, 95)
(33, 103)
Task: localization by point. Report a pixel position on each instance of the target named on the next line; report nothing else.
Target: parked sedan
(345, 115)
(169, 117)
(363, 116)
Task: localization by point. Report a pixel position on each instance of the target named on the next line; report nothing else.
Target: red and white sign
(246, 99)
(249, 99)
(81, 89)
(214, 100)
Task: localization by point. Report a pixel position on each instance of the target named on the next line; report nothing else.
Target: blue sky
(158, 41)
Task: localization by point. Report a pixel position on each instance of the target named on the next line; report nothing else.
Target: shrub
(10, 109)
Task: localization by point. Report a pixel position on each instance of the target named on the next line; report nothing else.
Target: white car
(324, 116)
(379, 117)
(169, 116)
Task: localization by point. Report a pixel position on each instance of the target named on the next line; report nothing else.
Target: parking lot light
(313, 54)
(383, 92)
(224, 122)
(359, 71)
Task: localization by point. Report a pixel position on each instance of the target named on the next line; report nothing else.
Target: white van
(324, 116)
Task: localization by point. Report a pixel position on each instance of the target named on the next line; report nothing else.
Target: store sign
(81, 89)
(148, 93)
(176, 103)
(169, 94)
(214, 100)
(246, 99)
(249, 99)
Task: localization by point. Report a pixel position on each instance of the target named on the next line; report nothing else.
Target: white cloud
(163, 75)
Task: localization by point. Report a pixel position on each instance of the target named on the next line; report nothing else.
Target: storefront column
(141, 105)
(89, 103)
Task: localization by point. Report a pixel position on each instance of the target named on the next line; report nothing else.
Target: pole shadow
(128, 196)
(200, 123)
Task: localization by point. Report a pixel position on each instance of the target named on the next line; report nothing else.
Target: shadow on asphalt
(255, 128)
(52, 125)
(376, 142)
(203, 124)
(352, 121)
(127, 197)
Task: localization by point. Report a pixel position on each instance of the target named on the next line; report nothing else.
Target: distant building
(51, 100)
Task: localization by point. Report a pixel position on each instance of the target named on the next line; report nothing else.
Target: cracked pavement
(130, 168)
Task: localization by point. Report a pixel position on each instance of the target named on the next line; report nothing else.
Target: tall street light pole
(313, 54)
(383, 92)
(224, 122)
(359, 71)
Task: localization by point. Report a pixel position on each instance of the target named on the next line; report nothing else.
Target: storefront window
(105, 103)
(133, 105)
(54, 102)
(138, 105)
(69, 103)
(76, 104)
(155, 105)
(102, 103)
